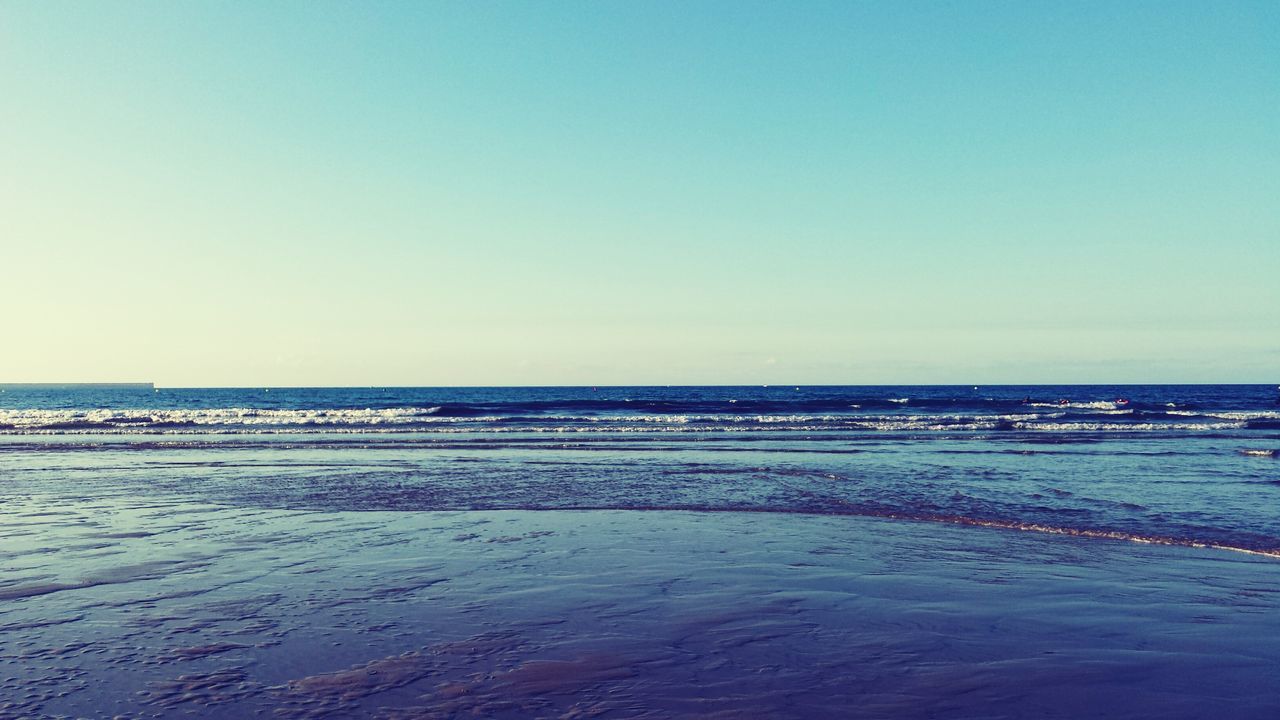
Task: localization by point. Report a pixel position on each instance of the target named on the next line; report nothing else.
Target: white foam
(1094, 405)
(1230, 415)
(1122, 427)
(428, 419)
(37, 418)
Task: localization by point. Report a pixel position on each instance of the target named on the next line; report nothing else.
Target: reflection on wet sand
(181, 609)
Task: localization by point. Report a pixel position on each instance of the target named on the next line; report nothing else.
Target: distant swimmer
(1064, 401)
(1122, 401)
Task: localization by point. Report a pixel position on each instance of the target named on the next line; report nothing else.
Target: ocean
(777, 551)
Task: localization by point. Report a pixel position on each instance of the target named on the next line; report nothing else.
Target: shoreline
(555, 613)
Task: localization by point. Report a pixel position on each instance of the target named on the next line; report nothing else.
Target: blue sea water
(1176, 464)
(1044, 408)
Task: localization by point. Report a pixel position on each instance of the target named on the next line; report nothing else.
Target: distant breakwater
(78, 386)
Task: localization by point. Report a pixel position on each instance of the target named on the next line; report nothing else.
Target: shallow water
(1192, 465)
(770, 573)
(1187, 490)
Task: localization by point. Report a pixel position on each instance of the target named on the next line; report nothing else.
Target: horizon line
(155, 386)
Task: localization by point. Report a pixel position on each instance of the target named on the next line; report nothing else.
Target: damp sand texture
(615, 614)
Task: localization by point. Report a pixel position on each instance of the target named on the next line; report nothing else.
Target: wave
(1092, 405)
(649, 416)
(1126, 427)
(1229, 415)
(1095, 534)
(1266, 549)
(677, 413)
(109, 418)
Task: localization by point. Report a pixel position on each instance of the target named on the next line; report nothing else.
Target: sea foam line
(1087, 533)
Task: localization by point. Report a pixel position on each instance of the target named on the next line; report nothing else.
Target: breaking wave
(463, 419)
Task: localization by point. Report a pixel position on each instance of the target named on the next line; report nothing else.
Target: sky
(596, 193)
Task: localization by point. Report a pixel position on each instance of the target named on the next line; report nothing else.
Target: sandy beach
(162, 609)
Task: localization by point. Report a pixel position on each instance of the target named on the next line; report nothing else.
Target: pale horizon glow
(429, 194)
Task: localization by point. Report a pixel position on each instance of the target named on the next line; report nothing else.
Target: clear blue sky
(308, 193)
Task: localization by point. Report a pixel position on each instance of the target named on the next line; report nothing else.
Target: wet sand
(169, 608)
